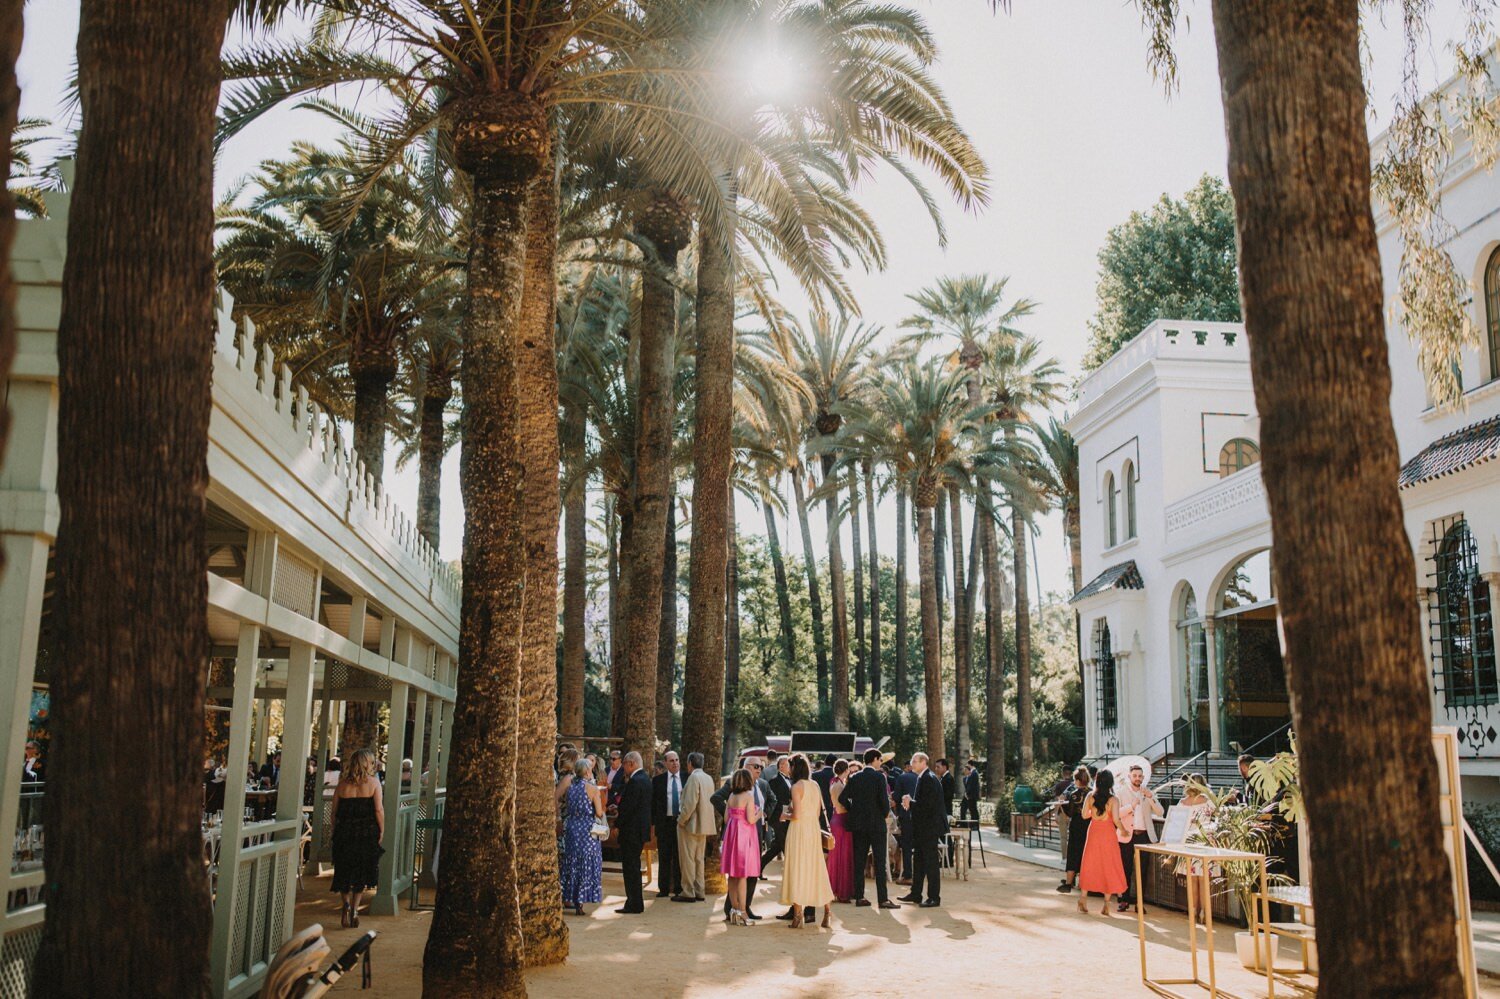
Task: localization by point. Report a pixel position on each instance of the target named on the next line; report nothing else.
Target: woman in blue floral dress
(582, 861)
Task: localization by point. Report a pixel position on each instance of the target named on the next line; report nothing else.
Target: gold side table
(1206, 857)
(1299, 898)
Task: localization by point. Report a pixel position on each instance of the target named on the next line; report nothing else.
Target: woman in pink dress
(841, 858)
(739, 851)
(1102, 870)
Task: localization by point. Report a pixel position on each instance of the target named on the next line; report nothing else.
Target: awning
(1473, 445)
(1124, 576)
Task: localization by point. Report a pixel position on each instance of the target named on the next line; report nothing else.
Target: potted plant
(1241, 828)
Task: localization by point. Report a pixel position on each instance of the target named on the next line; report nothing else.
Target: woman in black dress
(358, 829)
(1078, 826)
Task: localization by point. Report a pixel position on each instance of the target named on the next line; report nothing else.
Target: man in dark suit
(633, 826)
(270, 774)
(766, 802)
(906, 786)
(928, 824)
(868, 800)
(666, 805)
(969, 807)
(779, 768)
(824, 776)
(950, 792)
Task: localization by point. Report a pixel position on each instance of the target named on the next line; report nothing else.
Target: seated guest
(270, 774)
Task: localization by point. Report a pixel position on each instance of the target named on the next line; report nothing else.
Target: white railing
(1167, 339)
(1243, 488)
(360, 503)
(264, 893)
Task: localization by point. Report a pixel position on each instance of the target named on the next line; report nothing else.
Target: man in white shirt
(1137, 805)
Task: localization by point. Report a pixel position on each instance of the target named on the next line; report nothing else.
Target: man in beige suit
(696, 822)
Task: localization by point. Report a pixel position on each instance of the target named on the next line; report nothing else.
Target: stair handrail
(1165, 741)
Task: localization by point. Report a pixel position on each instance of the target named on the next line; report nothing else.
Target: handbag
(828, 841)
(600, 829)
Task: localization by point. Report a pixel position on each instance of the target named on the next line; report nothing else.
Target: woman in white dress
(804, 883)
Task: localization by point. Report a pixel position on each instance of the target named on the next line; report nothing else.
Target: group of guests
(829, 821)
(1106, 823)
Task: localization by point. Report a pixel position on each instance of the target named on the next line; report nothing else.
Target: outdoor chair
(294, 971)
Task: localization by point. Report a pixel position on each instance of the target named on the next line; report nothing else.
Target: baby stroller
(294, 972)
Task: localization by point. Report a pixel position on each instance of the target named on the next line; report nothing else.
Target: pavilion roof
(1124, 576)
(1472, 445)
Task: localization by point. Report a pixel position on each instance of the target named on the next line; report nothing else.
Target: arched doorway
(1192, 657)
(1252, 674)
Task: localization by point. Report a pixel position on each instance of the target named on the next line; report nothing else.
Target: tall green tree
(1177, 260)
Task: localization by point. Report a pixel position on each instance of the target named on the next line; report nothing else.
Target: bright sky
(1058, 98)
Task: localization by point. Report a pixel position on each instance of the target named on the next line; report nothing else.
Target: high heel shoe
(344, 915)
(827, 918)
(797, 918)
(354, 917)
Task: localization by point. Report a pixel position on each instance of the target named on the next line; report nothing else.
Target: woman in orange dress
(1102, 870)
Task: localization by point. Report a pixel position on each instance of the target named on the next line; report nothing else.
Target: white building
(1179, 619)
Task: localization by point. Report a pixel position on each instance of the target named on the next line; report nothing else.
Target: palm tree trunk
(838, 605)
(666, 648)
(11, 26)
(132, 469)
(1071, 523)
(667, 226)
(961, 630)
(372, 368)
(814, 599)
(940, 565)
(1299, 164)
(437, 392)
(900, 594)
(575, 568)
(1023, 637)
(932, 662)
(731, 645)
(994, 685)
(475, 944)
(619, 605)
(874, 583)
(859, 589)
(783, 593)
(704, 682)
(542, 925)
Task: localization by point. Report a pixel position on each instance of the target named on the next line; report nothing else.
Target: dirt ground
(1005, 932)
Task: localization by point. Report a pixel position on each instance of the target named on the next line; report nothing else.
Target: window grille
(1106, 693)
(1461, 629)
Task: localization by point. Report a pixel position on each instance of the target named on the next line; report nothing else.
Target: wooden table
(1206, 857)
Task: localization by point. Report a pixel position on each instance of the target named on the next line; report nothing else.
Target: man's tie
(672, 794)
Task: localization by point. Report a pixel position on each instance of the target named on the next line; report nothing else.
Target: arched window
(1492, 312)
(1463, 630)
(1194, 649)
(1106, 692)
(1237, 454)
(1112, 523)
(1129, 476)
(1248, 583)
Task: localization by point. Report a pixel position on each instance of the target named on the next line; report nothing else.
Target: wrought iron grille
(1461, 628)
(1106, 693)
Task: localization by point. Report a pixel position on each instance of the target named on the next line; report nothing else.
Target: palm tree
(11, 26)
(132, 471)
(1061, 453)
(1359, 686)
(831, 359)
(867, 473)
(918, 422)
(27, 183)
(1020, 382)
(971, 312)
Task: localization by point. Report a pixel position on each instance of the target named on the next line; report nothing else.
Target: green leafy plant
(1240, 828)
(1280, 775)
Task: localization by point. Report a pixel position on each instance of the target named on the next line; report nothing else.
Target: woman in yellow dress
(804, 882)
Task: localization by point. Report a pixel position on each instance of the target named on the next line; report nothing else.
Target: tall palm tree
(867, 473)
(918, 421)
(1021, 382)
(1061, 453)
(969, 311)
(831, 358)
(132, 470)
